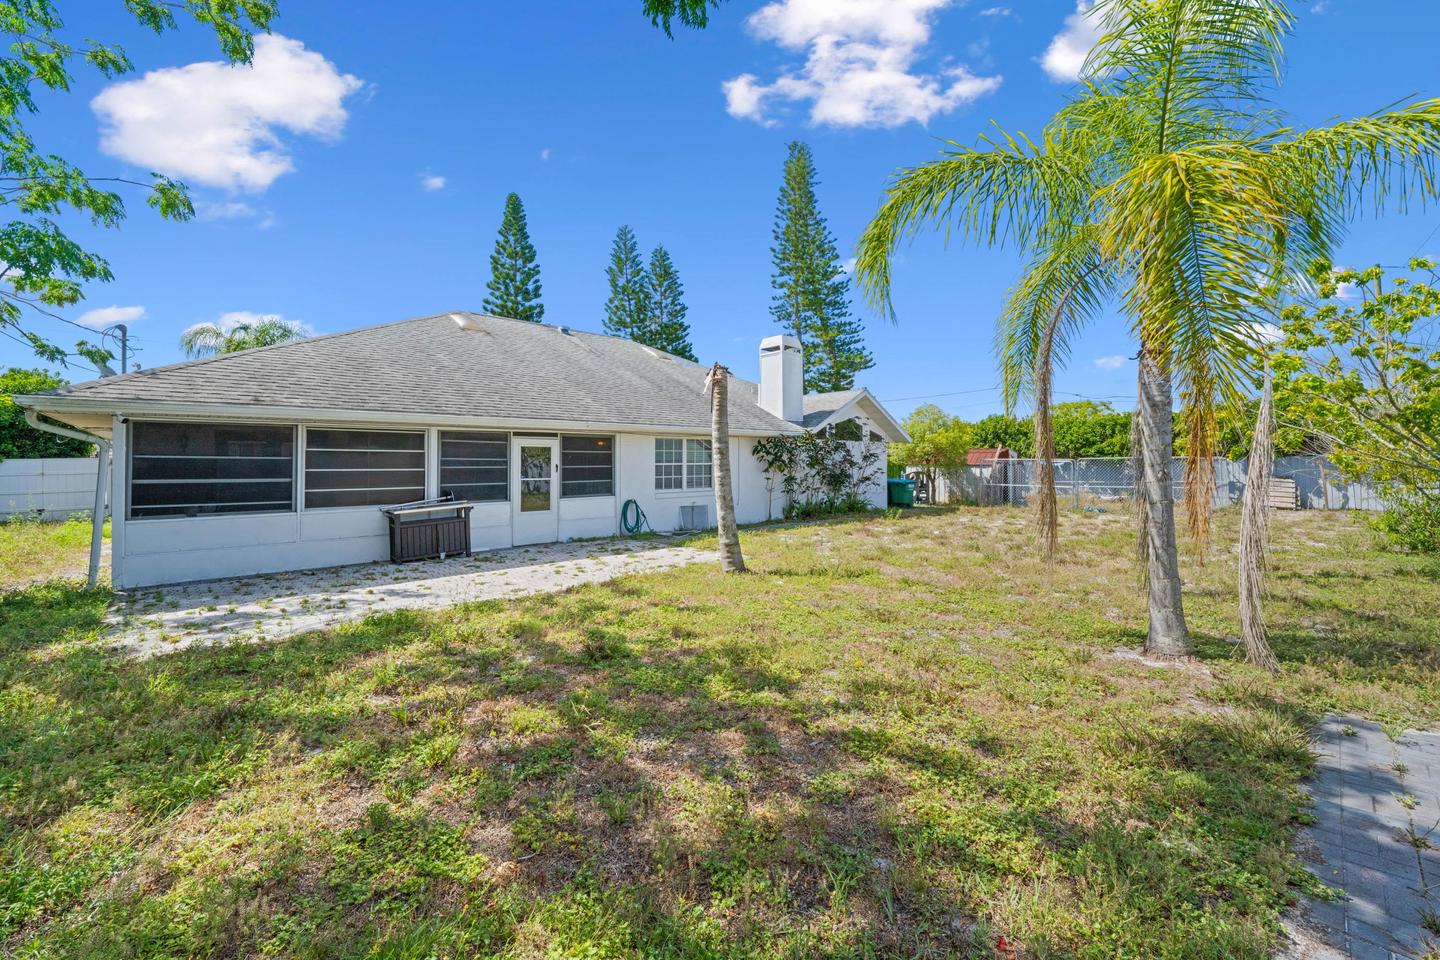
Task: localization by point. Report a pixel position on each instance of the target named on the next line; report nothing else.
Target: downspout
(102, 482)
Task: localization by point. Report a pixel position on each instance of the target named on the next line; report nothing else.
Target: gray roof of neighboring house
(820, 407)
(430, 367)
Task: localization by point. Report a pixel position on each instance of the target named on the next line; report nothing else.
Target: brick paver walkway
(164, 619)
(1377, 839)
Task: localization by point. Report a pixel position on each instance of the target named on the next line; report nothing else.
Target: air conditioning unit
(695, 516)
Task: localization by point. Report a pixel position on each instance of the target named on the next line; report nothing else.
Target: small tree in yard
(938, 442)
(717, 384)
(1365, 376)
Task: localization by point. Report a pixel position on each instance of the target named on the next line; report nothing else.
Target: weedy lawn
(32, 552)
(896, 737)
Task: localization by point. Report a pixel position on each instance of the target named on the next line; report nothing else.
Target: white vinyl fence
(51, 489)
(1098, 481)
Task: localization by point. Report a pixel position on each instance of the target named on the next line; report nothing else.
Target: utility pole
(121, 333)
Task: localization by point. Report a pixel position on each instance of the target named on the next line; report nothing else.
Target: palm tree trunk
(1168, 635)
(1254, 534)
(718, 383)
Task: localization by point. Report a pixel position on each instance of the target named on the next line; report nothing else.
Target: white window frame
(690, 466)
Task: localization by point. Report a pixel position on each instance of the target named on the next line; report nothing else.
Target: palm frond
(1005, 193)
(1062, 290)
(1390, 154)
(1189, 53)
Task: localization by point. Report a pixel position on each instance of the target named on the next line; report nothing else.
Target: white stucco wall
(161, 550)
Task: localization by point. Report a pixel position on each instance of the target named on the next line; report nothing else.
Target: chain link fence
(1108, 483)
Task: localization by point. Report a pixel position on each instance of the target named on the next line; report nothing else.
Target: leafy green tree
(19, 440)
(812, 291)
(1001, 430)
(667, 328)
(938, 442)
(514, 273)
(41, 266)
(1166, 184)
(1365, 377)
(628, 311)
(209, 339)
(1087, 428)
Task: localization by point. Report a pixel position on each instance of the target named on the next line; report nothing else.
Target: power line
(1425, 241)
(932, 396)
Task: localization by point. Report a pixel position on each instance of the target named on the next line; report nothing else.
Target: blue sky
(357, 175)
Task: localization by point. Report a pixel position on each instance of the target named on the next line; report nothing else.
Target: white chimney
(782, 377)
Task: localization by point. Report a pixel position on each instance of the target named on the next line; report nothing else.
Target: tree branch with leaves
(42, 269)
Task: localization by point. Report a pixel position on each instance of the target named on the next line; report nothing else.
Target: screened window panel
(363, 468)
(699, 474)
(194, 469)
(587, 466)
(475, 466)
(669, 463)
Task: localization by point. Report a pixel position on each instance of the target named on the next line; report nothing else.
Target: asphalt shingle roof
(431, 366)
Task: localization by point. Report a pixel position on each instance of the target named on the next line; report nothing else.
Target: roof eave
(51, 404)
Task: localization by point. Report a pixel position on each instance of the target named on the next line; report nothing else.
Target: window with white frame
(363, 468)
(683, 464)
(699, 473)
(669, 463)
(195, 469)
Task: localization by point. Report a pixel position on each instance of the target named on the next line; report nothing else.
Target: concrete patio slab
(161, 620)
(1376, 842)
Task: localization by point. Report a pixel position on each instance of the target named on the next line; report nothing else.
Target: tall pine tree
(628, 311)
(667, 330)
(812, 291)
(514, 274)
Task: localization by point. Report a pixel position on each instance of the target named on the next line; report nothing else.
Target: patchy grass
(896, 737)
(32, 551)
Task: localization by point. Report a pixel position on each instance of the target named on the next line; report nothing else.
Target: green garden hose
(632, 518)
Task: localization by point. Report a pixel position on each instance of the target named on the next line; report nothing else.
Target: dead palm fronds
(1254, 534)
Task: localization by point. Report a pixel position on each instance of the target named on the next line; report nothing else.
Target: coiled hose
(632, 518)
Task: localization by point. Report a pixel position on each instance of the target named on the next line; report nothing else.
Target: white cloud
(1114, 362)
(545, 154)
(102, 317)
(1065, 56)
(1347, 291)
(218, 124)
(849, 265)
(1261, 332)
(997, 12)
(859, 66)
(431, 181)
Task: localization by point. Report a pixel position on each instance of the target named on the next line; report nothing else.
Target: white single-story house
(279, 458)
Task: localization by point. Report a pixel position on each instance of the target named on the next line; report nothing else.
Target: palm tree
(717, 384)
(210, 339)
(1166, 187)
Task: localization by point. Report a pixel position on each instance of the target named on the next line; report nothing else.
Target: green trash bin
(902, 492)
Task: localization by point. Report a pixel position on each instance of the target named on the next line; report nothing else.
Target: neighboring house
(278, 458)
